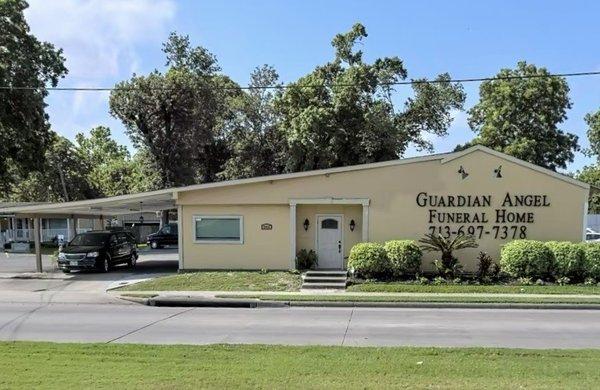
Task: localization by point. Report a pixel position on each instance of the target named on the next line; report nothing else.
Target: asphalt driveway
(150, 260)
(16, 285)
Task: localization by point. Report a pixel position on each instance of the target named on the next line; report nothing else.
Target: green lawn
(222, 281)
(62, 366)
(434, 299)
(459, 288)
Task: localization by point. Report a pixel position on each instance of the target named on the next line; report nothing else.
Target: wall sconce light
(498, 172)
(462, 172)
(352, 225)
(306, 224)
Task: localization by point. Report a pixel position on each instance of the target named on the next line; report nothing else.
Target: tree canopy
(520, 115)
(62, 177)
(24, 62)
(591, 173)
(343, 113)
(178, 115)
(257, 147)
(593, 133)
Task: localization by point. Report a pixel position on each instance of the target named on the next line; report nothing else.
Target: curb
(213, 302)
(449, 305)
(36, 277)
(256, 303)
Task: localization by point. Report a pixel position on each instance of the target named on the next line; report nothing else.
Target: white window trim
(235, 242)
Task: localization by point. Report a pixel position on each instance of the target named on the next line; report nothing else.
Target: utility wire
(249, 87)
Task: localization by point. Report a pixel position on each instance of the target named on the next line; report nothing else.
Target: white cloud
(99, 36)
(104, 41)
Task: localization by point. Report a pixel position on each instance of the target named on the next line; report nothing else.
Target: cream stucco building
(262, 222)
(478, 191)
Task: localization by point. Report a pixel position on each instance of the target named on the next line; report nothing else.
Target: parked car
(98, 250)
(168, 235)
(591, 235)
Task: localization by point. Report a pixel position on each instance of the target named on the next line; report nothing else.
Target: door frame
(317, 228)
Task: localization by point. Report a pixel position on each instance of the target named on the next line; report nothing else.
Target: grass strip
(28, 365)
(221, 281)
(399, 287)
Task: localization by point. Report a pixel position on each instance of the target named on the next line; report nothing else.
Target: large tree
(24, 62)
(63, 176)
(178, 116)
(593, 134)
(256, 143)
(145, 174)
(110, 168)
(591, 173)
(343, 112)
(520, 114)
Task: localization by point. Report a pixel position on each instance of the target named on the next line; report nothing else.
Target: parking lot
(16, 271)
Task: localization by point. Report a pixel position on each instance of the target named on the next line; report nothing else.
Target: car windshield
(89, 239)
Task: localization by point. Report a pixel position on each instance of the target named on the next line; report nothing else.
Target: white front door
(329, 242)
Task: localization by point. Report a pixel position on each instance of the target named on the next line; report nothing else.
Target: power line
(248, 87)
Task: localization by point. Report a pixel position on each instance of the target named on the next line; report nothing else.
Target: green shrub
(484, 265)
(591, 252)
(404, 255)
(306, 259)
(526, 259)
(569, 259)
(369, 260)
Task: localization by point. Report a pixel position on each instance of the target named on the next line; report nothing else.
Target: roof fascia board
(84, 203)
(485, 149)
(299, 201)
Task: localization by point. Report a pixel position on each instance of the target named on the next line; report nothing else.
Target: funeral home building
(261, 223)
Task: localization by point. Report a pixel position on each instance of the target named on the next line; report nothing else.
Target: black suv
(98, 250)
(165, 236)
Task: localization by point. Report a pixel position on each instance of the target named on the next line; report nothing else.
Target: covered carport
(97, 209)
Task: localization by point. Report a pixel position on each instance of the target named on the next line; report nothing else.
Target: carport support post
(74, 223)
(164, 218)
(292, 235)
(37, 244)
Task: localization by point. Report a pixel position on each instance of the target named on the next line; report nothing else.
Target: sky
(106, 41)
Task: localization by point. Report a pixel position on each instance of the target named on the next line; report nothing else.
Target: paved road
(133, 323)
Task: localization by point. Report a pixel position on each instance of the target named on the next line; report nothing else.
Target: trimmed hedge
(404, 255)
(591, 252)
(369, 260)
(569, 259)
(527, 259)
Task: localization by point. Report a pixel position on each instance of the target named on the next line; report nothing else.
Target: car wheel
(132, 261)
(154, 245)
(66, 271)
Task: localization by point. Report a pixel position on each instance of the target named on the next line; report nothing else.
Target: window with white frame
(219, 229)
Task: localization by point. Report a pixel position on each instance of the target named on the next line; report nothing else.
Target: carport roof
(116, 205)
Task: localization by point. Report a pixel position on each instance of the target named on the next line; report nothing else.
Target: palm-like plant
(439, 243)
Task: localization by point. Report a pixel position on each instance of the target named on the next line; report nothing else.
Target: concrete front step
(324, 286)
(327, 273)
(324, 279)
